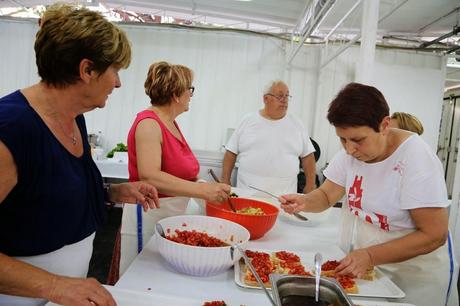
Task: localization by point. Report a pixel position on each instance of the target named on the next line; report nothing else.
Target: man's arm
(227, 167)
(309, 169)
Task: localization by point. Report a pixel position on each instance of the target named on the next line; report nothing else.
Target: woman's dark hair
(358, 105)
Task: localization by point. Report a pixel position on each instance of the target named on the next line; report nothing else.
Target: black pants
(301, 181)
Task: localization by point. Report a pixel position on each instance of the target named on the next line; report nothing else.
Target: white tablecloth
(150, 273)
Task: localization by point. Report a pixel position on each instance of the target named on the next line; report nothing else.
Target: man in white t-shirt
(268, 145)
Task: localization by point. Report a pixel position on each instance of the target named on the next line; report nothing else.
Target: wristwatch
(107, 194)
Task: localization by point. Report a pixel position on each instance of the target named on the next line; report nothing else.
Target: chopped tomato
(287, 256)
(345, 281)
(195, 238)
(215, 303)
(330, 265)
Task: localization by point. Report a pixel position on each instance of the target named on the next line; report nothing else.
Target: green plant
(121, 147)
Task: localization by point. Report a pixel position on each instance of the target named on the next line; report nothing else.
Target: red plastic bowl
(256, 225)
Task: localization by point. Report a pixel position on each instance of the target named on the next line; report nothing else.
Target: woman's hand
(135, 193)
(292, 203)
(78, 292)
(355, 264)
(215, 192)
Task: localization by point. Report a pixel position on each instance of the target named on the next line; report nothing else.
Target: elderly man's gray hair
(272, 84)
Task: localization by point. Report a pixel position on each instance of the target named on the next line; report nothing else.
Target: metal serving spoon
(248, 263)
(160, 230)
(318, 263)
(214, 176)
(296, 214)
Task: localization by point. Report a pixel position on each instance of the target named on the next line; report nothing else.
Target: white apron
(172, 206)
(424, 279)
(71, 260)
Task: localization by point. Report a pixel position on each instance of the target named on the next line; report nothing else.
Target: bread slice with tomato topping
(348, 284)
(262, 264)
(281, 262)
(328, 268)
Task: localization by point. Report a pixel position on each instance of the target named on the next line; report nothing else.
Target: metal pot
(300, 290)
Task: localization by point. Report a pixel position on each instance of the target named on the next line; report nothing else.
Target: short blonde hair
(68, 34)
(408, 122)
(165, 80)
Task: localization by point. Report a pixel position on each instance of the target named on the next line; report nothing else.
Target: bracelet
(107, 194)
(325, 195)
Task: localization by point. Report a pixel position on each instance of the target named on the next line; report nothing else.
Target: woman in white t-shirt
(396, 197)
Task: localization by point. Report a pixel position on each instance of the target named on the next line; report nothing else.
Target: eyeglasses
(279, 98)
(192, 90)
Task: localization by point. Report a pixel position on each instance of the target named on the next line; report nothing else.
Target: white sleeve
(423, 182)
(307, 146)
(233, 143)
(336, 170)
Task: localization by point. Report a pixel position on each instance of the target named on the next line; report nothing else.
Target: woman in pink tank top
(177, 158)
(159, 154)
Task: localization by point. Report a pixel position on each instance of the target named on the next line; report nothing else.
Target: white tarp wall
(231, 71)
(17, 56)
(411, 82)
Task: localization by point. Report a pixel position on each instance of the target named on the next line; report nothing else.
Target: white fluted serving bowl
(201, 261)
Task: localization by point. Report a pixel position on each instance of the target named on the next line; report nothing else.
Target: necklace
(73, 137)
(43, 98)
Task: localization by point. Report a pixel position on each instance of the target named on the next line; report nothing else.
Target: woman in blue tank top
(51, 192)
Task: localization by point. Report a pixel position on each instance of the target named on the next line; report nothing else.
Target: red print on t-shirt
(399, 167)
(355, 194)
